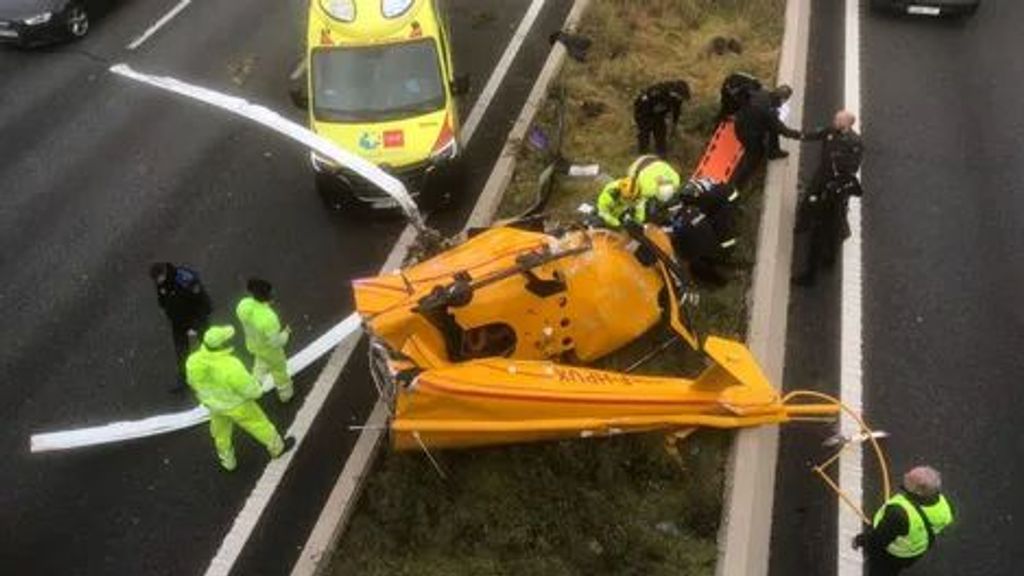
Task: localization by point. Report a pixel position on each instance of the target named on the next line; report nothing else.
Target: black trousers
(753, 155)
(648, 126)
(826, 228)
(179, 331)
(882, 564)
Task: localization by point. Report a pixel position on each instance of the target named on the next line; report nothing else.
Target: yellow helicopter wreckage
(488, 342)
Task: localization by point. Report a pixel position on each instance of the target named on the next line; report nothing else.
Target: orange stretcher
(723, 154)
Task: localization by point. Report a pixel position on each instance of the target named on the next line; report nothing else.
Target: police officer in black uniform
(758, 127)
(186, 304)
(823, 210)
(651, 110)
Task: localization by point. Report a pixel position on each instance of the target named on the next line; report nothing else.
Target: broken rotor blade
(840, 440)
(270, 119)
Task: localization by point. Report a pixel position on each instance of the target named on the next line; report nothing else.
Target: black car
(926, 7)
(31, 22)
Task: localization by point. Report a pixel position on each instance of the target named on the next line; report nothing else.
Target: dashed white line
(851, 475)
(158, 24)
(494, 82)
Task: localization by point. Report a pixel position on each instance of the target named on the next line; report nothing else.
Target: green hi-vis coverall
(644, 181)
(265, 341)
(228, 391)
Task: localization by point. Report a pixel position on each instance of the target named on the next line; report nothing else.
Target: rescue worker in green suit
(906, 526)
(649, 180)
(264, 337)
(223, 385)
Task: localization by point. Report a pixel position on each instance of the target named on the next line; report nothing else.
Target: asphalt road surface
(803, 516)
(944, 263)
(99, 177)
(943, 230)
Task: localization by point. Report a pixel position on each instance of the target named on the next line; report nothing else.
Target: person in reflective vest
(649, 180)
(907, 525)
(264, 337)
(223, 385)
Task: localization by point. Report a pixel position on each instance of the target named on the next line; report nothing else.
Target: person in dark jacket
(703, 228)
(823, 211)
(652, 109)
(905, 527)
(779, 103)
(735, 93)
(758, 127)
(186, 304)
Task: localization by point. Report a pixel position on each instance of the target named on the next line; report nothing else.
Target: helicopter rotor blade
(270, 119)
(837, 440)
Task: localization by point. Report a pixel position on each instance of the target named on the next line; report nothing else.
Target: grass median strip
(623, 505)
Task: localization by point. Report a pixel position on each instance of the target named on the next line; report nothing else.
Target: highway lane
(944, 262)
(100, 177)
(803, 515)
(943, 234)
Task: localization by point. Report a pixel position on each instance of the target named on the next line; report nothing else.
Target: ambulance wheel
(333, 193)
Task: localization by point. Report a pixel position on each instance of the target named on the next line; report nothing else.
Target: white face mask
(665, 192)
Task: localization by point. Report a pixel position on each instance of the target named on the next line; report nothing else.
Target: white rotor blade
(164, 423)
(240, 107)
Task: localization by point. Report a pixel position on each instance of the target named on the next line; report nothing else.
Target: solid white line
(159, 24)
(498, 75)
(341, 502)
(851, 475)
(266, 486)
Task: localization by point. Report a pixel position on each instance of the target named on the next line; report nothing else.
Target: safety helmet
(627, 188)
(218, 336)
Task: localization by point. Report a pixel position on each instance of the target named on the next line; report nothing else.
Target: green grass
(608, 506)
(612, 506)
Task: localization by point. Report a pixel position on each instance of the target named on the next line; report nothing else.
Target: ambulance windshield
(376, 83)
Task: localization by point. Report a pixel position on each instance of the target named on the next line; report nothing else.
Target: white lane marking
(234, 542)
(246, 520)
(162, 424)
(141, 39)
(851, 474)
(341, 502)
(494, 82)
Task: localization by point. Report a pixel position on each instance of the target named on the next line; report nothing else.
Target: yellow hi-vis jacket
(915, 542)
(219, 379)
(643, 182)
(263, 334)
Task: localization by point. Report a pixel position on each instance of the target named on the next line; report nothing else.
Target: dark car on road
(927, 7)
(32, 22)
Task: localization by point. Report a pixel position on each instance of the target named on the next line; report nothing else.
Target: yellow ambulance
(380, 83)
